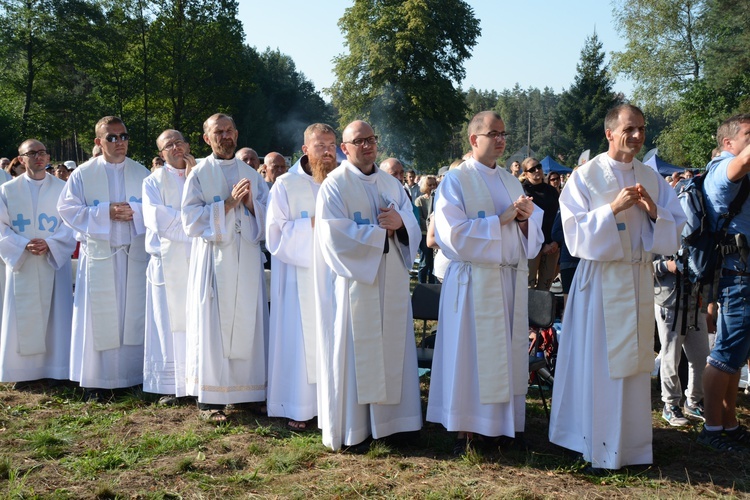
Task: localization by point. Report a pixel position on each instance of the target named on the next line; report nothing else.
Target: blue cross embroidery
(95, 202)
(304, 214)
(217, 199)
(21, 223)
(359, 220)
(481, 214)
(621, 226)
(133, 199)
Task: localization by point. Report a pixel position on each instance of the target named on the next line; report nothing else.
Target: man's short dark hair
(730, 127)
(613, 115)
(478, 120)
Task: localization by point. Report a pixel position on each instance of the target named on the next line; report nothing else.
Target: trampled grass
(53, 445)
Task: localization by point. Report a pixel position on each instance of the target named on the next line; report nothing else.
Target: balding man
(224, 209)
(275, 166)
(102, 203)
(366, 238)
(394, 168)
(35, 333)
(165, 348)
(249, 157)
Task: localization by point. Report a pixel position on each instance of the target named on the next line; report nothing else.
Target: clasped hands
(634, 195)
(520, 210)
(241, 193)
(37, 246)
(120, 211)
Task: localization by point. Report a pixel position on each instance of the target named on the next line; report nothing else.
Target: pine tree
(579, 118)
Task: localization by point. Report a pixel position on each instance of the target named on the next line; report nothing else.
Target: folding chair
(425, 303)
(541, 316)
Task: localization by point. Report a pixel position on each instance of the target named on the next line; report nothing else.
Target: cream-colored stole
(100, 266)
(236, 267)
(628, 320)
(301, 199)
(33, 283)
(378, 337)
(493, 364)
(175, 256)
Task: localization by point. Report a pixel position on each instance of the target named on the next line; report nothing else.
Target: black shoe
(95, 396)
(462, 446)
(359, 449)
(719, 441)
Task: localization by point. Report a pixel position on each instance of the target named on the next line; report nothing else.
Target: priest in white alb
(102, 203)
(366, 238)
(36, 247)
(616, 212)
(292, 391)
(487, 228)
(165, 349)
(224, 210)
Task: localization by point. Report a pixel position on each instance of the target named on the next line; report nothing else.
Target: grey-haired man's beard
(225, 149)
(320, 170)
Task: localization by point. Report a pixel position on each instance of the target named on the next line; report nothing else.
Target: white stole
(236, 265)
(624, 313)
(301, 199)
(34, 281)
(488, 295)
(377, 330)
(175, 256)
(100, 268)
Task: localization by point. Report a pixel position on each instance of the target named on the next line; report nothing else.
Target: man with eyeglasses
(224, 209)
(543, 266)
(290, 225)
(35, 333)
(488, 228)
(165, 347)
(616, 212)
(366, 237)
(102, 203)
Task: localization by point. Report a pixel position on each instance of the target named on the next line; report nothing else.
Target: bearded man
(224, 209)
(289, 231)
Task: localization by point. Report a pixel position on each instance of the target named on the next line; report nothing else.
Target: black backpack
(703, 246)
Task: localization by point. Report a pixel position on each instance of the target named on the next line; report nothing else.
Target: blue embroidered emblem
(359, 220)
(305, 215)
(50, 219)
(21, 223)
(133, 199)
(621, 226)
(217, 199)
(481, 214)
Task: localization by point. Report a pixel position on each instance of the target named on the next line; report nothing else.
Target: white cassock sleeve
(163, 220)
(289, 240)
(482, 240)
(351, 250)
(92, 222)
(411, 224)
(199, 218)
(592, 234)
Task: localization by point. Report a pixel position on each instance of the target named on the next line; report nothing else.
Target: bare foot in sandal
(211, 415)
(297, 426)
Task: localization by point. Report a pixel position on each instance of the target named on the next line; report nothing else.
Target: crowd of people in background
(179, 262)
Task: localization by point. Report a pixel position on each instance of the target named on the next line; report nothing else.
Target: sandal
(296, 425)
(211, 415)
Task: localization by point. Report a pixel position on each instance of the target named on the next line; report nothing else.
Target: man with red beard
(224, 209)
(289, 232)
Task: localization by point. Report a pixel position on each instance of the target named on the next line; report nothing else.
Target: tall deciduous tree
(665, 46)
(402, 72)
(579, 117)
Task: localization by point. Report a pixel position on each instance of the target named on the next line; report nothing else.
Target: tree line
(171, 63)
